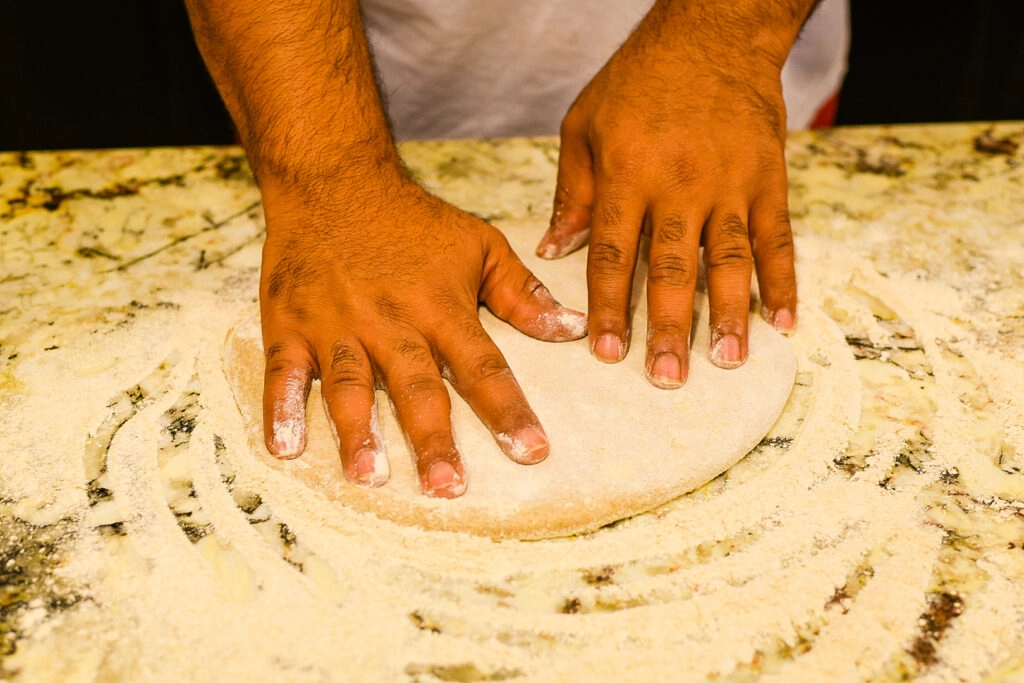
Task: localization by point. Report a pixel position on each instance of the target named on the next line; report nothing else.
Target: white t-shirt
(483, 68)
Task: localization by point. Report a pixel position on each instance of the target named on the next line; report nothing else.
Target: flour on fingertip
(290, 417)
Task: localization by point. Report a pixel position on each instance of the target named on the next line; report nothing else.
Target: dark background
(111, 73)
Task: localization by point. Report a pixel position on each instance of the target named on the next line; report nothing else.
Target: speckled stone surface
(876, 534)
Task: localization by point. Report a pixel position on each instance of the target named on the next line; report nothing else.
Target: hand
(380, 288)
(682, 134)
(368, 281)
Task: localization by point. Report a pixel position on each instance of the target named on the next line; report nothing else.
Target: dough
(619, 446)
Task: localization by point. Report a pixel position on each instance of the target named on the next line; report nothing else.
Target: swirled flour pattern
(877, 533)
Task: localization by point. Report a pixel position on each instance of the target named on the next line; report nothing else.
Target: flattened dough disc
(619, 446)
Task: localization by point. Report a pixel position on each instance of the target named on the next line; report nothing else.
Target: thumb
(574, 194)
(515, 295)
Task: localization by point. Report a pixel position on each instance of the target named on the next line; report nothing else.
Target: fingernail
(547, 249)
(371, 468)
(443, 481)
(529, 446)
(535, 445)
(289, 438)
(783, 320)
(726, 352)
(574, 323)
(553, 245)
(548, 245)
(564, 324)
(667, 371)
(608, 348)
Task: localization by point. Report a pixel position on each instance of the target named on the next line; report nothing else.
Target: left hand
(687, 143)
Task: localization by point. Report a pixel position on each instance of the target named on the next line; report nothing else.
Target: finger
(671, 283)
(286, 381)
(772, 243)
(729, 267)
(611, 260)
(516, 296)
(423, 409)
(574, 193)
(347, 387)
(479, 372)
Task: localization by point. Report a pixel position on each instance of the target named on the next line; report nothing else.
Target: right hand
(379, 287)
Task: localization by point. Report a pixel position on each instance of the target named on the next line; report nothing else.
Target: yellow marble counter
(877, 533)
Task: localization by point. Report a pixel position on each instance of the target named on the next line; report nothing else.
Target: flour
(571, 323)
(289, 426)
(797, 531)
(887, 492)
(513, 447)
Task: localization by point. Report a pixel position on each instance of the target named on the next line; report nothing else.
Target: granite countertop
(877, 533)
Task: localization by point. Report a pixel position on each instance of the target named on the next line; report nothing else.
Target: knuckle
(422, 386)
(734, 227)
(346, 380)
(412, 351)
(529, 294)
(275, 351)
(347, 370)
(733, 255)
(489, 366)
(606, 257)
(472, 332)
(621, 159)
(284, 359)
(672, 270)
(343, 357)
(672, 229)
(533, 289)
(776, 241)
(730, 250)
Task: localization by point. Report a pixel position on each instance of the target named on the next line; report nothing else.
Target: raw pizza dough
(619, 446)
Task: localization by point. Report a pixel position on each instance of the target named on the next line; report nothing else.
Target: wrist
(762, 31)
(340, 166)
(350, 192)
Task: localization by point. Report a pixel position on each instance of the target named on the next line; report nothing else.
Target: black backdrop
(110, 73)
(945, 60)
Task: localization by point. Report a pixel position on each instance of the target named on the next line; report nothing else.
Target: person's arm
(682, 134)
(367, 279)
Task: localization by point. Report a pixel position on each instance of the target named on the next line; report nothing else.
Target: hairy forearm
(298, 80)
(763, 29)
